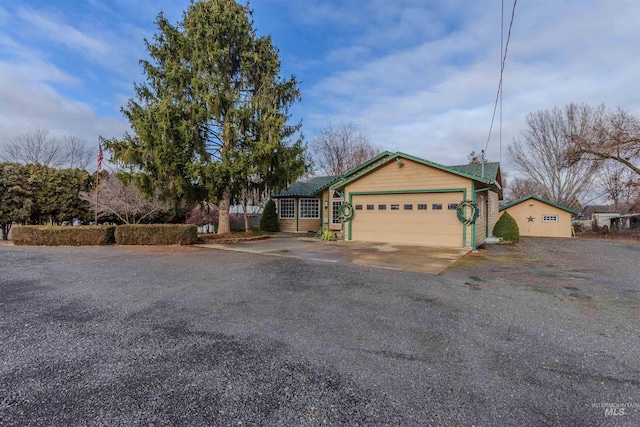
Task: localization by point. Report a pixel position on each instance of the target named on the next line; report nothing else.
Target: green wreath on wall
(345, 213)
(475, 212)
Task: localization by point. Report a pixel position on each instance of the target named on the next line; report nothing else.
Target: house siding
(494, 211)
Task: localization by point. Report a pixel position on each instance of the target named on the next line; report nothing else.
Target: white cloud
(435, 98)
(28, 102)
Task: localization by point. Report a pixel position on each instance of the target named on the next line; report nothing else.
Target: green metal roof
(309, 188)
(540, 199)
(490, 169)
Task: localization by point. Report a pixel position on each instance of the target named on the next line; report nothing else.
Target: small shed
(539, 217)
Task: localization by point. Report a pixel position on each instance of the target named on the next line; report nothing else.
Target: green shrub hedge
(43, 235)
(269, 218)
(507, 228)
(156, 234)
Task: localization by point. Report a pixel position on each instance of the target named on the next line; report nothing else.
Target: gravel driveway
(546, 333)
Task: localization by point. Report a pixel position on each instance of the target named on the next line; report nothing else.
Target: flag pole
(100, 155)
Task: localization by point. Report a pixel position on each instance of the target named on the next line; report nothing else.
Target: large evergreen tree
(211, 119)
(15, 197)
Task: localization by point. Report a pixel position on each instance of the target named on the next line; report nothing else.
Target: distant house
(539, 217)
(397, 198)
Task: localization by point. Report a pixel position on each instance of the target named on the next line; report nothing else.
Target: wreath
(475, 212)
(345, 213)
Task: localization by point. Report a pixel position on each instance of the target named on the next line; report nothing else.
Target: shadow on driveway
(423, 259)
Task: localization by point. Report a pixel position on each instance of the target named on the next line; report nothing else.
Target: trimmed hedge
(507, 228)
(156, 234)
(43, 235)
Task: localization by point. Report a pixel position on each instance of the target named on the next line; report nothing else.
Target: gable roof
(369, 162)
(417, 160)
(313, 186)
(540, 199)
(308, 188)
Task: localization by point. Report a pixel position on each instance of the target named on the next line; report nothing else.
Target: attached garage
(414, 218)
(538, 217)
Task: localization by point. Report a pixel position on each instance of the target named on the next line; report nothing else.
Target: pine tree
(211, 119)
(269, 218)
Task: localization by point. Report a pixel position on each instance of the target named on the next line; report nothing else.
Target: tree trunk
(5, 231)
(223, 219)
(247, 228)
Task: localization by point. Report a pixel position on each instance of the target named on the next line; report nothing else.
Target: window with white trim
(549, 218)
(309, 208)
(335, 211)
(481, 206)
(492, 206)
(287, 208)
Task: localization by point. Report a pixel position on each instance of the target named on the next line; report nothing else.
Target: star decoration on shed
(530, 219)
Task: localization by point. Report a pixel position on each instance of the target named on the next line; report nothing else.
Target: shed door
(407, 218)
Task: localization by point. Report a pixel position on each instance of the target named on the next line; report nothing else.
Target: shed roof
(540, 199)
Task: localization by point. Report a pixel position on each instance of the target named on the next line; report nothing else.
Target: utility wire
(504, 58)
(501, 91)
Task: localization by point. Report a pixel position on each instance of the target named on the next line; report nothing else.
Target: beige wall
(481, 222)
(491, 214)
(441, 228)
(536, 209)
(302, 225)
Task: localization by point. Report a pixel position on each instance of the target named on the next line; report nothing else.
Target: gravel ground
(537, 334)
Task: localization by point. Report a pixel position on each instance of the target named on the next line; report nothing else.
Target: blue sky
(417, 76)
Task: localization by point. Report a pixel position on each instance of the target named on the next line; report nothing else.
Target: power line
(501, 91)
(504, 58)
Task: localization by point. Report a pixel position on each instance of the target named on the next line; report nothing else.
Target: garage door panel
(437, 227)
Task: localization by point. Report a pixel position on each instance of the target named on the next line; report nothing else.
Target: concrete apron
(423, 259)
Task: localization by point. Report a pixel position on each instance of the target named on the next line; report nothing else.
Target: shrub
(325, 234)
(156, 234)
(507, 228)
(39, 235)
(269, 219)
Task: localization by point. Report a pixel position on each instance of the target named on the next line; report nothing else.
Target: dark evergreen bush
(156, 234)
(269, 219)
(43, 235)
(507, 228)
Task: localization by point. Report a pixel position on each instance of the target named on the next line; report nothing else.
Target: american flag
(100, 157)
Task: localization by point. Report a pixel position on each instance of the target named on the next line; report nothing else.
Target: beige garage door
(426, 218)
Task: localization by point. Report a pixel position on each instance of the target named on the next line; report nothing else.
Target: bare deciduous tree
(540, 153)
(338, 149)
(38, 147)
(34, 146)
(204, 214)
(521, 187)
(606, 135)
(123, 201)
(619, 184)
(77, 154)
